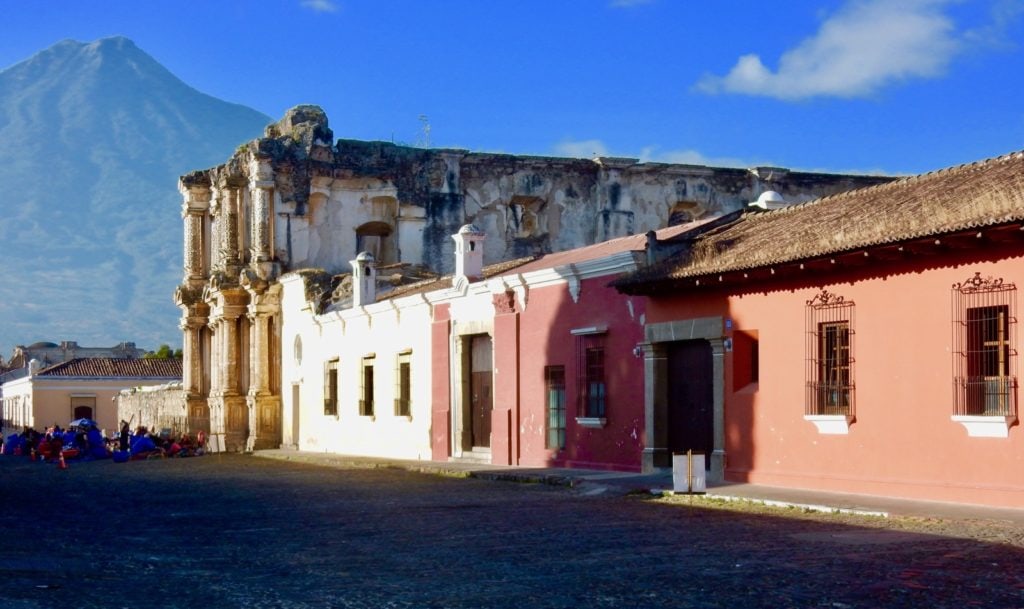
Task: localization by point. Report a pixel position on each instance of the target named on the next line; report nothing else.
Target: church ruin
(297, 199)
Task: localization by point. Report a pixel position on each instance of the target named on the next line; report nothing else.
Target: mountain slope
(92, 139)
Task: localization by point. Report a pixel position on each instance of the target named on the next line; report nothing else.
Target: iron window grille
(366, 389)
(331, 388)
(554, 381)
(403, 385)
(984, 311)
(592, 391)
(829, 352)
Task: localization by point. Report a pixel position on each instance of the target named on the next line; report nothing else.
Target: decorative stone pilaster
(655, 453)
(716, 473)
(229, 421)
(194, 213)
(263, 400)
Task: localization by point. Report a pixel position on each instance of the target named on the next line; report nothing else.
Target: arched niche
(376, 237)
(684, 211)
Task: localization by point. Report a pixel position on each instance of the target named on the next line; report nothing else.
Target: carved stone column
(192, 371)
(216, 228)
(229, 219)
(195, 205)
(261, 192)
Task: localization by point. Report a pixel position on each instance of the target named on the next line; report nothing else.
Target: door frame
(461, 337)
(656, 455)
(693, 421)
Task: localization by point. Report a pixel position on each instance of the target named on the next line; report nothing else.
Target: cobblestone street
(237, 531)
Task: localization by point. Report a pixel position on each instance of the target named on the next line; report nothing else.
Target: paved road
(238, 531)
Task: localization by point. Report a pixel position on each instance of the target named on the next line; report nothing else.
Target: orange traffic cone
(61, 463)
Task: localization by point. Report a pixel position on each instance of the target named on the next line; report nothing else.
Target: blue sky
(870, 86)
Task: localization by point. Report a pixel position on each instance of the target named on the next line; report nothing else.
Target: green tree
(163, 352)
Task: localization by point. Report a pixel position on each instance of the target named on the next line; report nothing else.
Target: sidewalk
(593, 482)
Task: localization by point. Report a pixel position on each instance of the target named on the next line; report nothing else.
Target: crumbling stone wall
(332, 197)
(157, 408)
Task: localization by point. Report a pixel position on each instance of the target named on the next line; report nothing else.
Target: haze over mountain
(93, 137)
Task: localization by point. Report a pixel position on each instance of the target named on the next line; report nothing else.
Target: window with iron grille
(590, 362)
(554, 381)
(366, 389)
(331, 388)
(829, 353)
(403, 385)
(984, 352)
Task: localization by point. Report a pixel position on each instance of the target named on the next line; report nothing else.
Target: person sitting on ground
(143, 447)
(187, 444)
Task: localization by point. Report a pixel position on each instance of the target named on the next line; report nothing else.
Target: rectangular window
(554, 380)
(984, 353)
(830, 385)
(592, 392)
(595, 382)
(834, 367)
(366, 401)
(331, 388)
(403, 386)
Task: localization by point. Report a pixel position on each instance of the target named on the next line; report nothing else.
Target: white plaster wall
(349, 335)
(326, 236)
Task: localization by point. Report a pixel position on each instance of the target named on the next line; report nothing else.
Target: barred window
(331, 388)
(984, 347)
(829, 356)
(403, 385)
(366, 393)
(592, 391)
(554, 381)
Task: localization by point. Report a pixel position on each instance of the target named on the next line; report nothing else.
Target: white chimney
(34, 366)
(469, 252)
(364, 279)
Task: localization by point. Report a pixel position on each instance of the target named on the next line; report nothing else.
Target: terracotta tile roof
(980, 194)
(109, 367)
(631, 243)
(548, 261)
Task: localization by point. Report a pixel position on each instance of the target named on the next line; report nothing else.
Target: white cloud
(1004, 14)
(581, 149)
(320, 6)
(693, 157)
(864, 46)
(588, 149)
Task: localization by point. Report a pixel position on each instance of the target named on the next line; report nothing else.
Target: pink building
(865, 342)
(538, 361)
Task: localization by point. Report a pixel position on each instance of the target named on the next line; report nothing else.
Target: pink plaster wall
(903, 442)
(545, 339)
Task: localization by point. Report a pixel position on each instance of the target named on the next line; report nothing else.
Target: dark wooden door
(690, 398)
(481, 399)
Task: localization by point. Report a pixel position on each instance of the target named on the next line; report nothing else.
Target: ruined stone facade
(296, 199)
